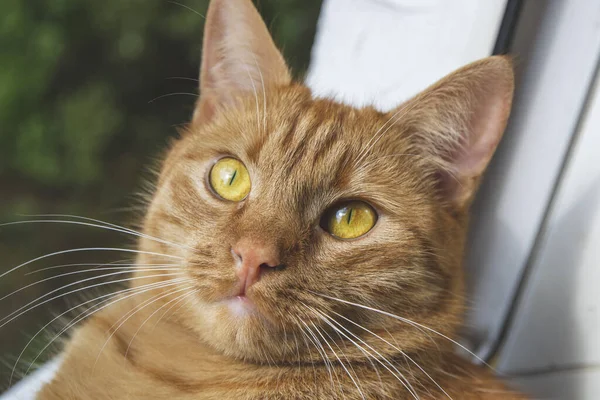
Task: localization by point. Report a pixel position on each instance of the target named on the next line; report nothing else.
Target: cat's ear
(238, 56)
(458, 122)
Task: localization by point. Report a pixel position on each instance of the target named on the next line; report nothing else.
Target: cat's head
(288, 209)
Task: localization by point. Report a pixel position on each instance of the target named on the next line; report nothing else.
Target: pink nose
(253, 259)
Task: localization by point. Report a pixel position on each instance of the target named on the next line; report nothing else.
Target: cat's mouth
(239, 303)
(240, 299)
(240, 306)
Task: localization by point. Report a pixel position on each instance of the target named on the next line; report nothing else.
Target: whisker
(400, 378)
(184, 78)
(79, 217)
(19, 312)
(389, 123)
(376, 141)
(255, 95)
(304, 337)
(77, 319)
(354, 381)
(151, 286)
(297, 349)
(87, 249)
(396, 155)
(105, 225)
(186, 7)
(396, 348)
(97, 264)
(349, 363)
(176, 299)
(334, 354)
(173, 94)
(121, 269)
(408, 321)
(175, 310)
(100, 266)
(264, 91)
(130, 314)
(368, 146)
(315, 373)
(321, 350)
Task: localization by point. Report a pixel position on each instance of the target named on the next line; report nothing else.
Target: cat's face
(276, 267)
(306, 158)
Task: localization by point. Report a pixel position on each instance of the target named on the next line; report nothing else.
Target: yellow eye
(229, 179)
(349, 220)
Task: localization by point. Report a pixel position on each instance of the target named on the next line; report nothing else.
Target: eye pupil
(232, 177)
(350, 215)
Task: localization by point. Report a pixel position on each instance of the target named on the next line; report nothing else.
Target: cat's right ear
(238, 56)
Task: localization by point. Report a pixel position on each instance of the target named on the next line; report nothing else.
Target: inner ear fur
(458, 122)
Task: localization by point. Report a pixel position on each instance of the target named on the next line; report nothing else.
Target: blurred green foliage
(83, 111)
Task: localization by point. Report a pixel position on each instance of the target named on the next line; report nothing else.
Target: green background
(82, 118)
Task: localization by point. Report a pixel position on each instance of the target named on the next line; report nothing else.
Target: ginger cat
(315, 249)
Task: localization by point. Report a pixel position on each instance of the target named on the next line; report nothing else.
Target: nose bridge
(271, 222)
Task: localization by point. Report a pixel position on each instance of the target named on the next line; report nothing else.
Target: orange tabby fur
(419, 167)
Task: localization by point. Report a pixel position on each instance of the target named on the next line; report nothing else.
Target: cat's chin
(240, 306)
(239, 327)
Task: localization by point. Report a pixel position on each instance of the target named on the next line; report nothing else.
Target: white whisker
(77, 319)
(183, 78)
(406, 320)
(99, 224)
(304, 337)
(87, 249)
(255, 96)
(368, 146)
(335, 355)
(396, 348)
(264, 91)
(100, 266)
(354, 381)
(178, 299)
(297, 349)
(173, 94)
(123, 270)
(349, 363)
(321, 350)
(174, 310)
(388, 125)
(397, 374)
(19, 312)
(188, 8)
(130, 314)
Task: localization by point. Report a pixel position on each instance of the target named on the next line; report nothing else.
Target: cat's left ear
(238, 56)
(457, 124)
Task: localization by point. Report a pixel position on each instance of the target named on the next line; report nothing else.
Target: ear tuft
(238, 56)
(458, 122)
